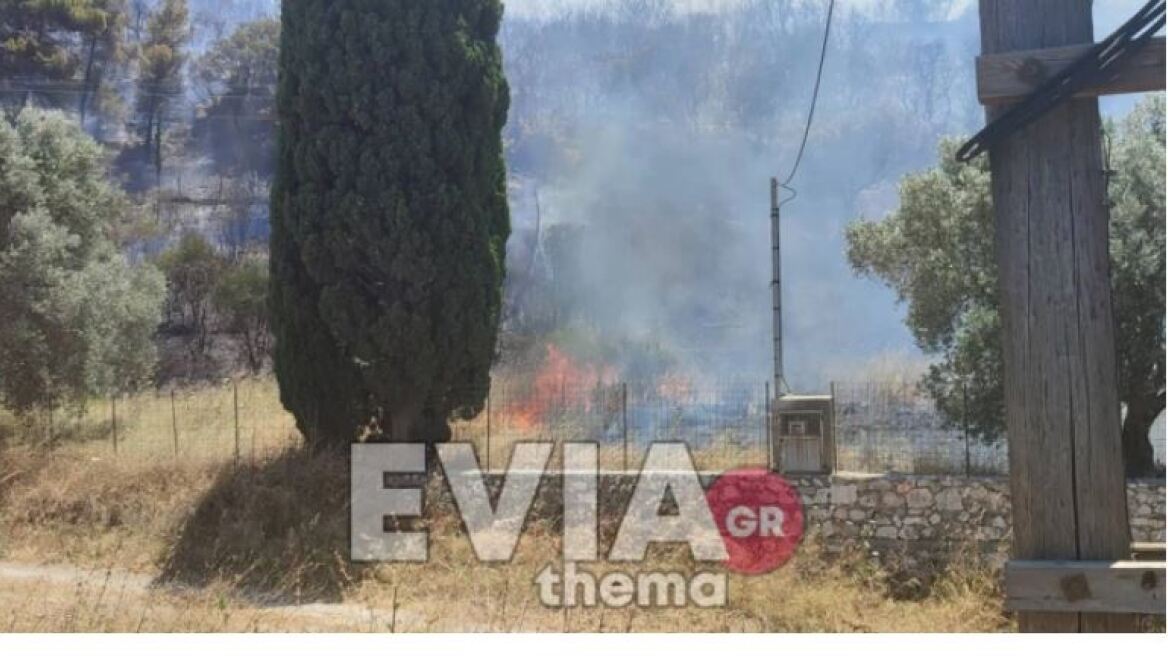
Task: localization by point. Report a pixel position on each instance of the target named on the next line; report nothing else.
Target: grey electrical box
(804, 439)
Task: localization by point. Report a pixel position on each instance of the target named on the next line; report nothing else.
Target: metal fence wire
(236, 420)
(880, 427)
(895, 427)
(724, 423)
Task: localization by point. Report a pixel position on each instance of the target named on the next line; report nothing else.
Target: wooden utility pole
(1062, 402)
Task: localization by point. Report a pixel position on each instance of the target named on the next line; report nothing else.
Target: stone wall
(923, 517)
(936, 513)
(1145, 503)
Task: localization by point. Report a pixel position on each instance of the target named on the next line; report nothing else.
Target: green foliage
(238, 74)
(47, 38)
(75, 318)
(193, 270)
(1137, 269)
(1137, 242)
(241, 302)
(45, 42)
(936, 251)
(389, 218)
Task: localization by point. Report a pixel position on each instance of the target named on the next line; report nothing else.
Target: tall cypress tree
(389, 215)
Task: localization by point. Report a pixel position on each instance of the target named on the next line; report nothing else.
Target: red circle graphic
(760, 517)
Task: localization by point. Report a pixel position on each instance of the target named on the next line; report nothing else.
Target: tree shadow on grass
(277, 532)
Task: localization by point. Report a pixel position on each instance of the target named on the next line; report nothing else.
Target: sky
(529, 7)
(1108, 13)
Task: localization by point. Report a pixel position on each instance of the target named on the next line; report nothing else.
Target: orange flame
(557, 384)
(675, 386)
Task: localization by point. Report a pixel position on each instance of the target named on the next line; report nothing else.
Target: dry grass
(96, 607)
(238, 548)
(58, 507)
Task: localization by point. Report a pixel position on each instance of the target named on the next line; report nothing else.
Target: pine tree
(46, 42)
(389, 215)
(239, 74)
(160, 71)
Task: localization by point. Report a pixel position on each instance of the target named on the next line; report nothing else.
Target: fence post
(114, 420)
(965, 424)
(625, 422)
(770, 444)
(489, 428)
(235, 403)
(834, 464)
(174, 423)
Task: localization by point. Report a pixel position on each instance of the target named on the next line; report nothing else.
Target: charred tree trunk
(86, 88)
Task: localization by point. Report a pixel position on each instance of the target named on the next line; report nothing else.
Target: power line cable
(781, 386)
(785, 184)
(1101, 63)
(251, 117)
(64, 88)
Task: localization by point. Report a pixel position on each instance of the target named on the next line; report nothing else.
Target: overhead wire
(786, 183)
(1098, 65)
(781, 385)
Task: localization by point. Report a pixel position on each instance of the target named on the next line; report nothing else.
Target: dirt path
(54, 597)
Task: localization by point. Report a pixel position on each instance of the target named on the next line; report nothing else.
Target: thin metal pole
(834, 432)
(114, 420)
(625, 422)
(174, 423)
(777, 286)
(770, 446)
(235, 403)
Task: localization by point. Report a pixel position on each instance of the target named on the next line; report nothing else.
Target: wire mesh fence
(238, 420)
(880, 426)
(724, 424)
(895, 427)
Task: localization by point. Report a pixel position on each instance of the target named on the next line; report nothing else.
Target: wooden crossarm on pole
(1146, 551)
(1011, 76)
(1067, 586)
